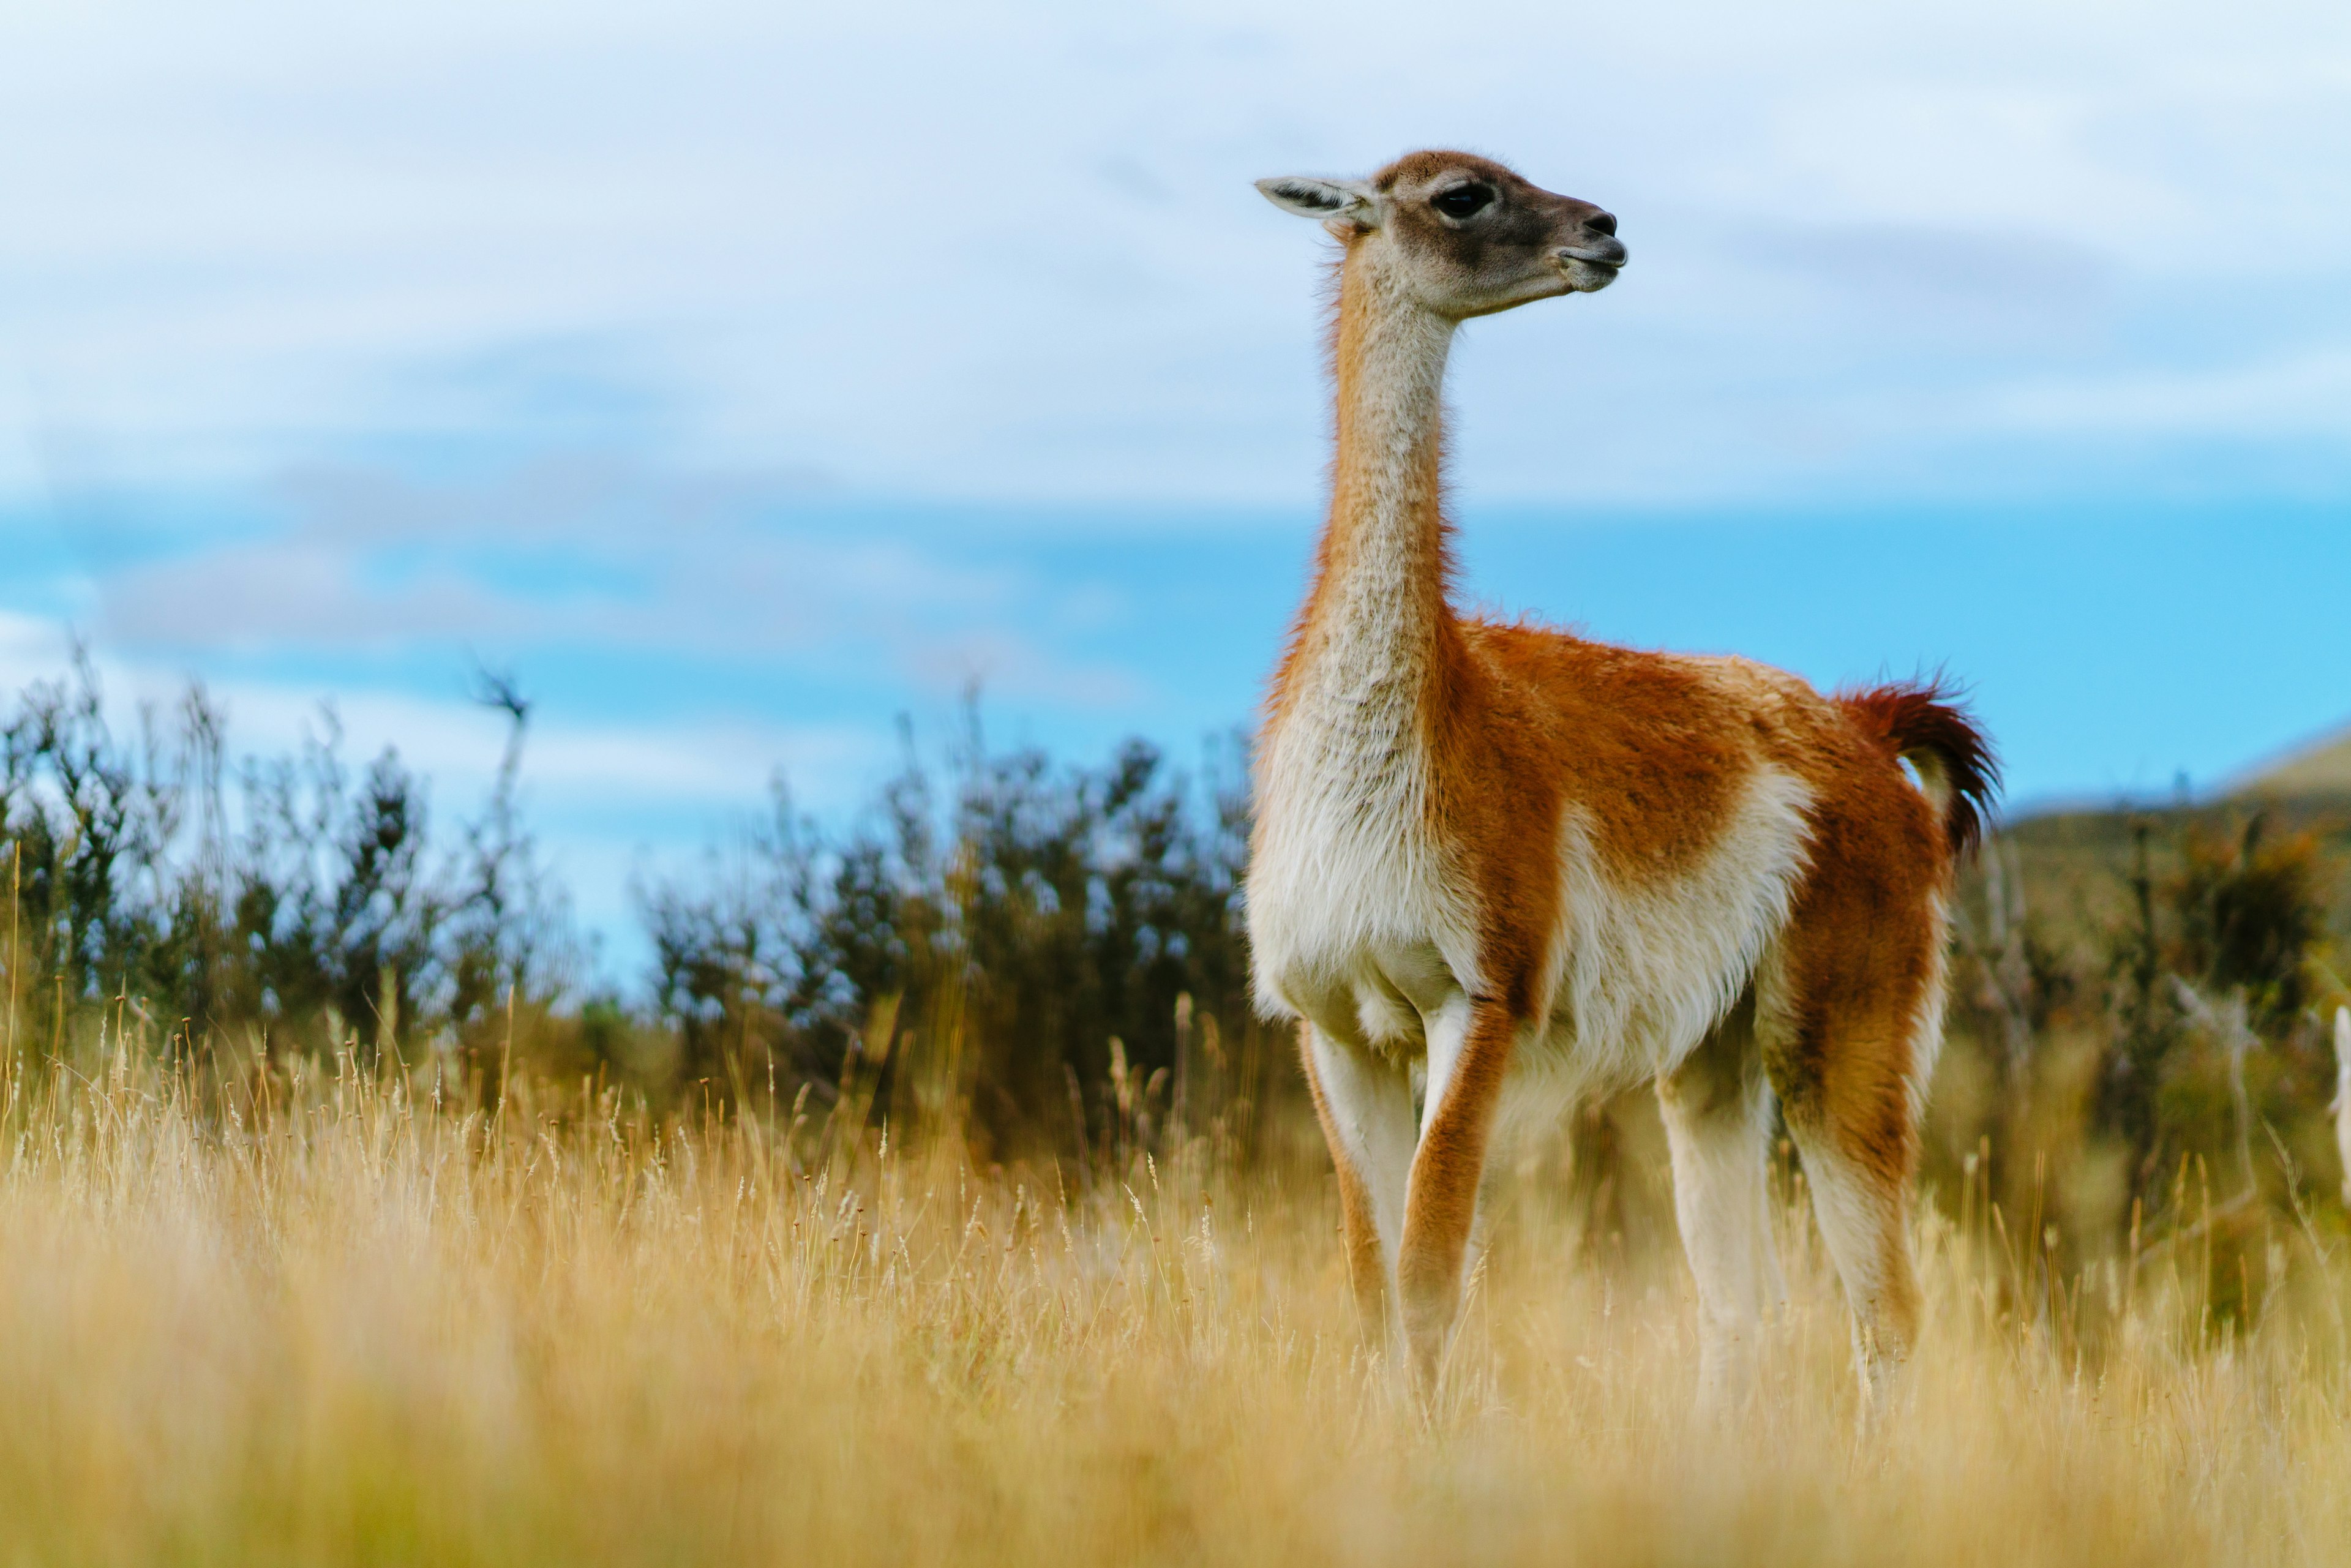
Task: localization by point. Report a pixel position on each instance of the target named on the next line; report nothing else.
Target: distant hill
(2322, 771)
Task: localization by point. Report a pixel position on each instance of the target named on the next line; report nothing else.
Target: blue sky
(742, 375)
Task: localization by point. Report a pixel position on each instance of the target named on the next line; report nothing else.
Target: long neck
(1378, 609)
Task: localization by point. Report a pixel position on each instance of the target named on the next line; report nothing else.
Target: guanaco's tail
(1957, 768)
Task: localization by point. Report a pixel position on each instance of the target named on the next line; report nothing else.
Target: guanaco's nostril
(1601, 223)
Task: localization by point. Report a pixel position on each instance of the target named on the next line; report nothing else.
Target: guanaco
(1491, 859)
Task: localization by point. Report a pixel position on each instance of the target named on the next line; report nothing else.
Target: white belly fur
(1640, 975)
(1360, 924)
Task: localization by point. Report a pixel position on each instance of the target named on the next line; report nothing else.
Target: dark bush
(1037, 957)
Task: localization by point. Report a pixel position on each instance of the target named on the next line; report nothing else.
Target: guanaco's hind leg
(1717, 1114)
(1861, 1210)
(1365, 1104)
(1848, 1033)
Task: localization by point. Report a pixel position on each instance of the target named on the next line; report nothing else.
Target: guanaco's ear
(2343, 1035)
(1348, 201)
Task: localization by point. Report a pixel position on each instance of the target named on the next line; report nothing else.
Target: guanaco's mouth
(1588, 276)
(1592, 263)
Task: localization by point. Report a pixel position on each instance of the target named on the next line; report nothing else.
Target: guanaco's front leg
(1470, 1045)
(1365, 1104)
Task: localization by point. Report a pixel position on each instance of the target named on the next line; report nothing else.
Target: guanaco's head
(1465, 236)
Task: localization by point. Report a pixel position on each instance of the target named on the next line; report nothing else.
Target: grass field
(318, 1318)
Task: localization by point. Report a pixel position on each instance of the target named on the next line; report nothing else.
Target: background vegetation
(1049, 961)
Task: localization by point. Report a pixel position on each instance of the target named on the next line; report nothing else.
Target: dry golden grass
(343, 1325)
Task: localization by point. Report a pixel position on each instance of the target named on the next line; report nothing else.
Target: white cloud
(577, 554)
(1012, 252)
(2297, 395)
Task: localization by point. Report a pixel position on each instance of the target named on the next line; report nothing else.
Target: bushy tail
(1935, 735)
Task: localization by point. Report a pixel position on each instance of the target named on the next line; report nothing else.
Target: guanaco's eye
(1462, 201)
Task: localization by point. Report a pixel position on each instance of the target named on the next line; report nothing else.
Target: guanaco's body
(1490, 857)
